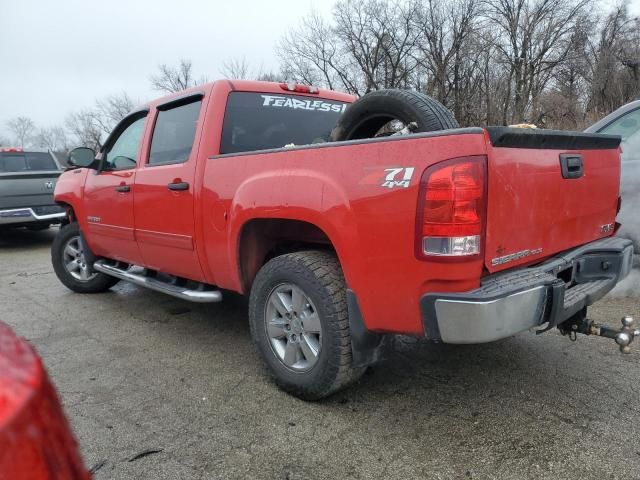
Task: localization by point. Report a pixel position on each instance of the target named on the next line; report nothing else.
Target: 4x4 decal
(390, 177)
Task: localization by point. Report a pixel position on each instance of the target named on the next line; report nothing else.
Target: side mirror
(82, 157)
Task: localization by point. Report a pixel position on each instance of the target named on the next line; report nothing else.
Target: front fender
(69, 191)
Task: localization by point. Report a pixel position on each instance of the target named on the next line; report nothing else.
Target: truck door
(108, 193)
(164, 191)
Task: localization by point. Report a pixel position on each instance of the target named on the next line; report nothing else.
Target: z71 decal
(390, 177)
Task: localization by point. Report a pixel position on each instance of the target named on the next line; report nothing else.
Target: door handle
(123, 188)
(571, 165)
(178, 186)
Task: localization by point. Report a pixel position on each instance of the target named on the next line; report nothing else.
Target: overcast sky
(57, 56)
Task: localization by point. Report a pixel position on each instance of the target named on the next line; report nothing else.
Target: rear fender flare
(298, 194)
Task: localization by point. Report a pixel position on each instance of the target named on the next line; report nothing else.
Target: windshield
(628, 127)
(26, 161)
(258, 121)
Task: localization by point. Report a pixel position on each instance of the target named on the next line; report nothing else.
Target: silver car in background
(27, 181)
(626, 122)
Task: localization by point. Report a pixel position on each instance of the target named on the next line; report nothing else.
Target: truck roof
(282, 88)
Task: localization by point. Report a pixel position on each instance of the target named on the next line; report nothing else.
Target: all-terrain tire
(98, 282)
(319, 276)
(364, 117)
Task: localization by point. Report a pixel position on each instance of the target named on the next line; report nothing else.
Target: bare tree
(22, 129)
(82, 126)
(269, 76)
(110, 110)
(53, 138)
(613, 61)
(311, 54)
(534, 37)
(235, 69)
(90, 126)
(175, 79)
(369, 45)
(446, 28)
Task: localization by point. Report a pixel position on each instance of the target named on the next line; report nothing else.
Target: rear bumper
(512, 302)
(49, 213)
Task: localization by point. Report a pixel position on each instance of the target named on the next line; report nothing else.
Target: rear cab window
(15, 162)
(260, 121)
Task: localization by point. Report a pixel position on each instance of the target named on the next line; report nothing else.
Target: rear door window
(259, 121)
(174, 133)
(26, 162)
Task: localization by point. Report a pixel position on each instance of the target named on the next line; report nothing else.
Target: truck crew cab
(457, 235)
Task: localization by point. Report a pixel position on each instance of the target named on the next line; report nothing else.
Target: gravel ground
(138, 370)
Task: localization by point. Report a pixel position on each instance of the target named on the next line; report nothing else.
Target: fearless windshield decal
(297, 104)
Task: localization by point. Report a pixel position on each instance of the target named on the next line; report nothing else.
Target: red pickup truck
(458, 235)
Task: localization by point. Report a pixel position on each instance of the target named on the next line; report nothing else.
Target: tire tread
(324, 268)
(100, 283)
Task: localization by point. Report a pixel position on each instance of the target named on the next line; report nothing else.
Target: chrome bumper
(512, 302)
(27, 215)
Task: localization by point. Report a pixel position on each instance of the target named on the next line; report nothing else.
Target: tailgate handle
(571, 165)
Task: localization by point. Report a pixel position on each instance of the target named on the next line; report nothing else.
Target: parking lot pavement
(139, 371)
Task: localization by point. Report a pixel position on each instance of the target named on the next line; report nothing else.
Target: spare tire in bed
(371, 115)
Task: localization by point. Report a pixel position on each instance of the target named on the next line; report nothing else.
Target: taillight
(451, 208)
(298, 88)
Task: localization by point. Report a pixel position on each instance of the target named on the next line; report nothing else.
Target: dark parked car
(27, 181)
(626, 122)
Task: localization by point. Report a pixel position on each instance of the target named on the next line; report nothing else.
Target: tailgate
(548, 191)
(27, 189)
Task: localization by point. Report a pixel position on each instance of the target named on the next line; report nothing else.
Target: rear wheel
(299, 321)
(70, 264)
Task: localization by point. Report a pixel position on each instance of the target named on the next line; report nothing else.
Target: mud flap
(366, 346)
(88, 254)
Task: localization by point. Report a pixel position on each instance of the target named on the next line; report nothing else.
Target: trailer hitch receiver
(623, 337)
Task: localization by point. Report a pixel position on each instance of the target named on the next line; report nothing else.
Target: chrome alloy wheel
(293, 327)
(74, 260)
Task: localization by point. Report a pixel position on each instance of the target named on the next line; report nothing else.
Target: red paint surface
(531, 206)
(35, 440)
(339, 190)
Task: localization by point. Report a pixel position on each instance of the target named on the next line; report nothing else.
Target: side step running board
(200, 296)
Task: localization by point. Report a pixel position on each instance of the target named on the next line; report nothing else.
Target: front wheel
(299, 321)
(70, 264)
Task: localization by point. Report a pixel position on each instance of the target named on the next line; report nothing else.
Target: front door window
(122, 154)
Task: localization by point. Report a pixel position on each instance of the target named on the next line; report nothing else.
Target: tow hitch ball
(623, 336)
